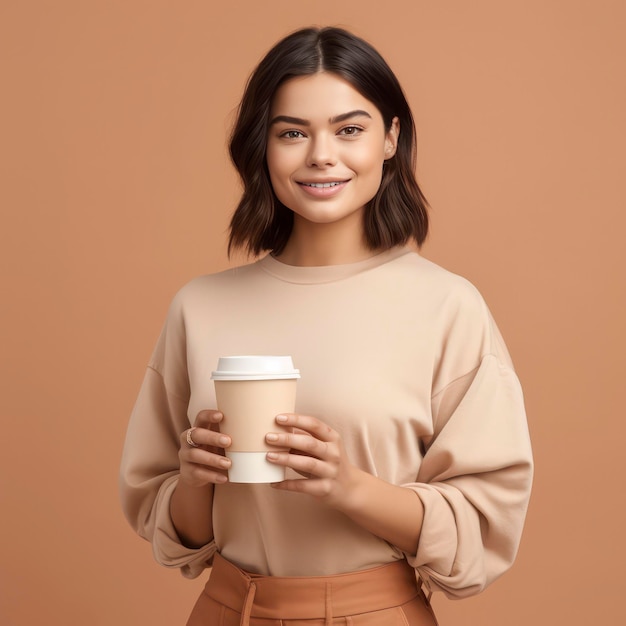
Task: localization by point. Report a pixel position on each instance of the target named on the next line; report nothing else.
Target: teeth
(321, 185)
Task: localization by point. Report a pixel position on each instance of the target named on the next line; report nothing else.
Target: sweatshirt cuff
(441, 561)
(166, 545)
(435, 547)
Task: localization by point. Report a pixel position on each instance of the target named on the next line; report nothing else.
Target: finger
(313, 487)
(203, 474)
(202, 458)
(197, 436)
(205, 458)
(305, 465)
(305, 444)
(312, 425)
(208, 418)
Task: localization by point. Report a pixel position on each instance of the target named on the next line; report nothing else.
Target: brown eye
(292, 134)
(350, 131)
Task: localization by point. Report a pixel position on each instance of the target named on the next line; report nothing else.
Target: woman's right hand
(205, 463)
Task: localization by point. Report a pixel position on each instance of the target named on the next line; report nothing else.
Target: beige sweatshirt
(399, 356)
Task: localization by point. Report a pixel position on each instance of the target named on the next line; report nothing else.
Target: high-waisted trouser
(388, 595)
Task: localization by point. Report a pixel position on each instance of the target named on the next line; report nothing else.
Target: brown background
(117, 189)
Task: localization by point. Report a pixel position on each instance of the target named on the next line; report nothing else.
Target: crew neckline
(328, 273)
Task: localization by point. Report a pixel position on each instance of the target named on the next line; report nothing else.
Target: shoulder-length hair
(261, 222)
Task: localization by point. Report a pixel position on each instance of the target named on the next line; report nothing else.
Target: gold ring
(190, 441)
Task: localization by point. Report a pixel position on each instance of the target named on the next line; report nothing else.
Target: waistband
(311, 597)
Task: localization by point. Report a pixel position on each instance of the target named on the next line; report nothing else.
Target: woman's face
(326, 146)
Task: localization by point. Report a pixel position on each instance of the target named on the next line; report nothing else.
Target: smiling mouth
(323, 185)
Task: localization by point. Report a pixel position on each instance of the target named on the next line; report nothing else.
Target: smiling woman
(355, 72)
(326, 148)
(407, 462)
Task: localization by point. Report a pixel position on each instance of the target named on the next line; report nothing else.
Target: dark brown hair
(261, 222)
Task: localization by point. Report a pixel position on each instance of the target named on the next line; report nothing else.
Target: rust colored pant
(388, 595)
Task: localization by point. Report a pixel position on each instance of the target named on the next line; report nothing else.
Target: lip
(322, 188)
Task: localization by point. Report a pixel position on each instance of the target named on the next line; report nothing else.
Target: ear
(391, 139)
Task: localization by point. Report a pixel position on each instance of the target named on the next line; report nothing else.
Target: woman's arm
(191, 510)
(201, 467)
(388, 511)
(391, 512)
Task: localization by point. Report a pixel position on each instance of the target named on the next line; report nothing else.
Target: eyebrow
(333, 120)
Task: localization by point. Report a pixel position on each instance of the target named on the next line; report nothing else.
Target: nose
(321, 151)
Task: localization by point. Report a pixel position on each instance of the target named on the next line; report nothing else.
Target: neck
(314, 245)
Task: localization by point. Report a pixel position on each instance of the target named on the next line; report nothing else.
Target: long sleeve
(150, 467)
(476, 474)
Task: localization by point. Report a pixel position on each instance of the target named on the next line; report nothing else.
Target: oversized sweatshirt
(403, 359)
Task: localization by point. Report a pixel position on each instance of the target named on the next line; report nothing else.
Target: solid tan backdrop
(117, 189)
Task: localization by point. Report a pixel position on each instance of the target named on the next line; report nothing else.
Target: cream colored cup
(251, 391)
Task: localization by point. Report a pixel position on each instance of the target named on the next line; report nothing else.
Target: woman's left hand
(317, 452)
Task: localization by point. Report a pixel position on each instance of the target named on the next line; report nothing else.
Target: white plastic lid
(254, 368)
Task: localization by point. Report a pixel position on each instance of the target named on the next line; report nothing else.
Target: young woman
(409, 462)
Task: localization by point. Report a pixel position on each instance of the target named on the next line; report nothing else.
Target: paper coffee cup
(251, 391)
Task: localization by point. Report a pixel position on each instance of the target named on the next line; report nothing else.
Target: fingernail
(224, 440)
(272, 456)
(225, 462)
(220, 478)
(271, 437)
(281, 418)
